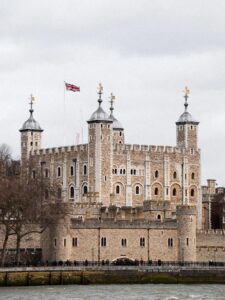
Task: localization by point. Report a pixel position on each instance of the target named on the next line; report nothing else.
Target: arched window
(137, 190)
(121, 171)
(124, 171)
(59, 171)
(71, 192)
(117, 189)
(85, 189)
(192, 175)
(159, 217)
(192, 192)
(156, 174)
(156, 191)
(174, 192)
(59, 193)
(72, 171)
(174, 175)
(85, 169)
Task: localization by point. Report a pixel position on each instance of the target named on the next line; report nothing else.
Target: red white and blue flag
(72, 87)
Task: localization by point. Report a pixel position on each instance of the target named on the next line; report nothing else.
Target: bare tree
(27, 203)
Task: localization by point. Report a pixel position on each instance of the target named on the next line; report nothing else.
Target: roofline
(187, 122)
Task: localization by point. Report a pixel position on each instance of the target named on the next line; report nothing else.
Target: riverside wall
(110, 275)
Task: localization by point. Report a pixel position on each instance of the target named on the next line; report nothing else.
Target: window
(124, 171)
(74, 241)
(133, 171)
(170, 242)
(85, 170)
(174, 175)
(72, 171)
(55, 242)
(156, 191)
(46, 173)
(59, 193)
(124, 242)
(156, 174)
(142, 242)
(192, 192)
(159, 217)
(64, 242)
(46, 194)
(71, 192)
(85, 189)
(187, 241)
(192, 175)
(167, 191)
(117, 189)
(174, 192)
(31, 143)
(120, 133)
(121, 171)
(33, 174)
(59, 171)
(137, 190)
(103, 242)
(114, 171)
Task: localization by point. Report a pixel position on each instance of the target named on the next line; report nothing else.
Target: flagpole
(64, 113)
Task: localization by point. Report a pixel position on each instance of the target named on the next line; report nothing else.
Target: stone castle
(133, 201)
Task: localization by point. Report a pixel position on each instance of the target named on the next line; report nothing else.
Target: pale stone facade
(136, 201)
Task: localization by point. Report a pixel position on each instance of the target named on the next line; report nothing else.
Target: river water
(118, 292)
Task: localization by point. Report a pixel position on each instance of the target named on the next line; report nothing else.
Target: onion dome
(186, 117)
(31, 124)
(99, 115)
(116, 124)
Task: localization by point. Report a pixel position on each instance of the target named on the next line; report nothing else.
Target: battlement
(183, 210)
(152, 148)
(156, 205)
(59, 150)
(211, 232)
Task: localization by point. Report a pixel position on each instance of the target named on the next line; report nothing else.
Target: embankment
(109, 275)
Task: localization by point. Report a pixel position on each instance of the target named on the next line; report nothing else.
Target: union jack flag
(72, 87)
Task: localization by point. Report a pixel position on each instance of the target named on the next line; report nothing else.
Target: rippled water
(120, 292)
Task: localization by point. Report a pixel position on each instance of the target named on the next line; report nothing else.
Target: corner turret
(30, 134)
(118, 130)
(100, 153)
(187, 128)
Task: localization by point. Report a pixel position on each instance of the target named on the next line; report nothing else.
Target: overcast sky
(145, 52)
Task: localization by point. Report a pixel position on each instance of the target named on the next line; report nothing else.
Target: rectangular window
(64, 242)
(103, 241)
(142, 242)
(72, 171)
(55, 242)
(74, 241)
(170, 242)
(187, 241)
(124, 242)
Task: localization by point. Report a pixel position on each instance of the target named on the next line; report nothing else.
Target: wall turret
(187, 128)
(186, 232)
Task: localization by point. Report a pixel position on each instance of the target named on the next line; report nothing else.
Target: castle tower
(30, 135)
(187, 128)
(186, 231)
(100, 147)
(118, 131)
